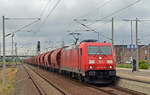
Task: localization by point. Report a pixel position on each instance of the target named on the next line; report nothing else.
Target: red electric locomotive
(92, 61)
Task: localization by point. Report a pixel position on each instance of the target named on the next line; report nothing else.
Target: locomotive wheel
(73, 76)
(81, 79)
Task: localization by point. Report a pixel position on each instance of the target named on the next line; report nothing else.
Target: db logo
(100, 61)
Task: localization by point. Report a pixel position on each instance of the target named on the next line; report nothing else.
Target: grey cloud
(61, 20)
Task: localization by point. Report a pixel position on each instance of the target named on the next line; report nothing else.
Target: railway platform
(137, 80)
(140, 75)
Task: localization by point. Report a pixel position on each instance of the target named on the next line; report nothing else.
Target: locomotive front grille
(101, 73)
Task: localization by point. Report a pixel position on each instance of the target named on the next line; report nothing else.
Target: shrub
(143, 65)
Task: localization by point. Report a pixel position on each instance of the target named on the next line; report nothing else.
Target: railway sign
(135, 46)
(38, 46)
(128, 46)
(132, 46)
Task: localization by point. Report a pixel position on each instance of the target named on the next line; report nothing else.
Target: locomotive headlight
(91, 61)
(109, 61)
(110, 67)
(100, 57)
(91, 67)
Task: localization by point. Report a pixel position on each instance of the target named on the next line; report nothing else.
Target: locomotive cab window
(96, 50)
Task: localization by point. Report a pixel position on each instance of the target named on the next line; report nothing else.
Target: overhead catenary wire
(113, 14)
(42, 15)
(117, 11)
(21, 18)
(93, 30)
(141, 21)
(50, 12)
(43, 10)
(27, 25)
(101, 6)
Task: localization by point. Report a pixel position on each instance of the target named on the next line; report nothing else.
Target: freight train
(90, 61)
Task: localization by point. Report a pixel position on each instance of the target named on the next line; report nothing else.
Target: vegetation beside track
(142, 65)
(8, 89)
(124, 65)
(10, 63)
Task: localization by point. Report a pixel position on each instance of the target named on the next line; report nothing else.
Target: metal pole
(16, 53)
(63, 44)
(0, 52)
(131, 34)
(12, 46)
(4, 61)
(113, 38)
(131, 42)
(148, 53)
(137, 51)
(112, 31)
(123, 54)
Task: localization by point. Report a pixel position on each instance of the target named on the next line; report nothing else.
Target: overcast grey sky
(55, 26)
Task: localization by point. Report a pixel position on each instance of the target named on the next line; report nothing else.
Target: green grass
(141, 65)
(10, 63)
(124, 65)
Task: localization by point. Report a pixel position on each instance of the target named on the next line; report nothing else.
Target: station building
(124, 54)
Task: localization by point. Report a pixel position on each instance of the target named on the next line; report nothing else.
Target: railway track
(140, 86)
(113, 90)
(35, 84)
(117, 91)
(108, 90)
(40, 90)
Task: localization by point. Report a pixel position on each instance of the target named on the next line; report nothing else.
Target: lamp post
(137, 51)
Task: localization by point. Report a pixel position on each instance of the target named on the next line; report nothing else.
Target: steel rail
(37, 87)
(48, 81)
(115, 88)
